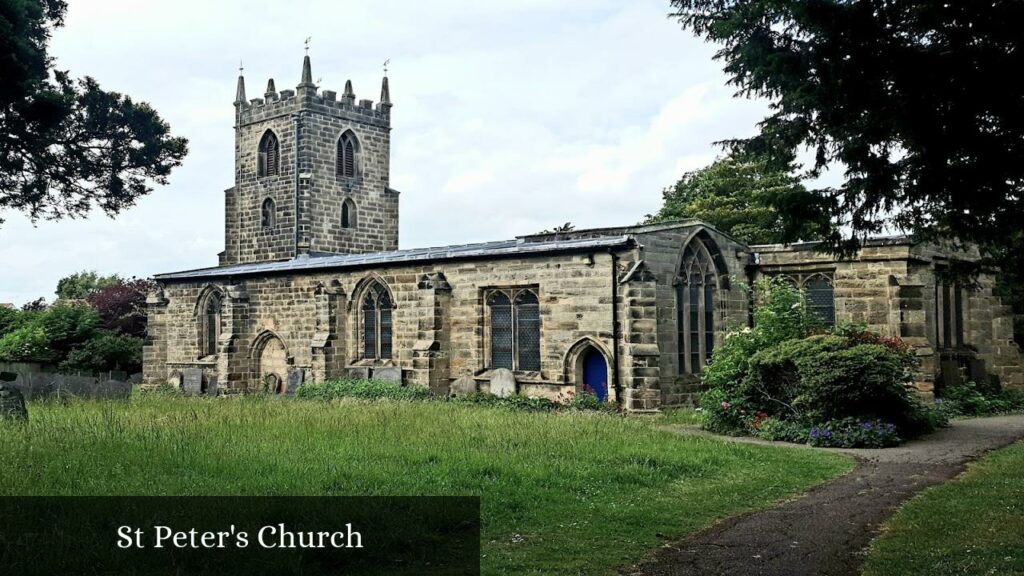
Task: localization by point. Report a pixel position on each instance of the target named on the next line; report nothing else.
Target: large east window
(695, 305)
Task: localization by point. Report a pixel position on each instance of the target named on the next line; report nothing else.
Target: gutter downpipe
(616, 333)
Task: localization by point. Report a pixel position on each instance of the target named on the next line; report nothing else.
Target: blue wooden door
(595, 374)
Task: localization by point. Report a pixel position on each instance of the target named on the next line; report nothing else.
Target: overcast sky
(509, 116)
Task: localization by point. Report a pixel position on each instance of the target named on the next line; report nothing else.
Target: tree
(738, 195)
(67, 146)
(122, 307)
(80, 285)
(915, 99)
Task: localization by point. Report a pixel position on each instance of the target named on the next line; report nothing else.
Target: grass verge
(562, 493)
(971, 525)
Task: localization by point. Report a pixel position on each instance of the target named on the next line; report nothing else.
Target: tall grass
(562, 492)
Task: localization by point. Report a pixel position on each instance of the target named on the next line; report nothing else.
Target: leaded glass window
(211, 325)
(514, 329)
(821, 299)
(949, 311)
(377, 324)
(695, 302)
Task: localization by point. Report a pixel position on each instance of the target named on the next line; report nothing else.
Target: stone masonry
(307, 300)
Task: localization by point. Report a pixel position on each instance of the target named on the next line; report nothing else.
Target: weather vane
(308, 38)
(241, 68)
(386, 62)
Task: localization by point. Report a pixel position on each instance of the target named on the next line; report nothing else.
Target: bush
(968, 399)
(106, 351)
(516, 401)
(778, 430)
(68, 325)
(854, 433)
(26, 344)
(364, 389)
(587, 401)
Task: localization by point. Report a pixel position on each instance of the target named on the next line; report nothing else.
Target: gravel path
(825, 531)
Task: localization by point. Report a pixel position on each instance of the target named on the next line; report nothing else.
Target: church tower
(312, 174)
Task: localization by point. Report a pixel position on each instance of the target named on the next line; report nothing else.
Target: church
(312, 286)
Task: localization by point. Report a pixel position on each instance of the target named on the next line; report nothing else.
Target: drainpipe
(297, 117)
(616, 335)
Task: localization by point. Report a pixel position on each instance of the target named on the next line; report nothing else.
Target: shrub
(106, 351)
(364, 389)
(968, 399)
(26, 344)
(10, 320)
(122, 306)
(587, 401)
(68, 325)
(516, 401)
(778, 430)
(854, 433)
(724, 413)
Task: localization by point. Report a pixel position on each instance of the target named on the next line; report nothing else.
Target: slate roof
(503, 248)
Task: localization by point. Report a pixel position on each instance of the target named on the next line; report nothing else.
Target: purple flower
(814, 432)
(865, 425)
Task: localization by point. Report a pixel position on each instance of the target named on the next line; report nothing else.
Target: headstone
(192, 380)
(388, 374)
(211, 386)
(358, 373)
(119, 375)
(503, 383)
(12, 404)
(463, 386)
(295, 376)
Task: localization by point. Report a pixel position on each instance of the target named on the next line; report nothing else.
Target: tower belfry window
(268, 214)
(348, 149)
(269, 161)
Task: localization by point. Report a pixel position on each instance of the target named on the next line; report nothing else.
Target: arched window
(268, 214)
(348, 213)
(377, 331)
(821, 298)
(211, 325)
(695, 304)
(269, 161)
(515, 330)
(347, 161)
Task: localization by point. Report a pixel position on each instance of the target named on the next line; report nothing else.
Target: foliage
(81, 285)
(37, 305)
(968, 399)
(105, 351)
(781, 379)
(122, 307)
(68, 325)
(734, 194)
(515, 401)
(67, 145)
(899, 93)
(363, 389)
(26, 344)
(545, 480)
(10, 319)
(854, 433)
(969, 525)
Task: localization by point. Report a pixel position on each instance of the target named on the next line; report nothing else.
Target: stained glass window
(378, 332)
(695, 302)
(527, 312)
(501, 330)
(515, 329)
(821, 298)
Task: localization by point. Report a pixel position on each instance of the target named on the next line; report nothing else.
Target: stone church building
(312, 285)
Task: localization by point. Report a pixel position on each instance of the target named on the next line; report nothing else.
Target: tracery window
(269, 161)
(268, 214)
(695, 305)
(819, 292)
(377, 328)
(348, 148)
(514, 329)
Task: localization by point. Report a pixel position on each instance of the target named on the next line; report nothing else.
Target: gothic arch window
(211, 322)
(820, 297)
(269, 161)
(347, 164)
(514, 329)
(268, 214)
(348, 213)
(695, 304)
(377, 328)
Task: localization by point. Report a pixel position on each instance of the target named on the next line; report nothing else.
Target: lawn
(972, 525)
(562, 493)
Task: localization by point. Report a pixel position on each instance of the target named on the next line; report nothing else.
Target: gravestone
(359, 373)
(295, 376)
(463, 386)
(192, 380)
(211, 386)
(12, 404)
(388, 374)
(503, 383)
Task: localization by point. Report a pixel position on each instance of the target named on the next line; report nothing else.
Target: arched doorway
(273, 366)
(595, 373)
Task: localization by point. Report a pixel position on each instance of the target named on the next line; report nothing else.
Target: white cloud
(510, 116)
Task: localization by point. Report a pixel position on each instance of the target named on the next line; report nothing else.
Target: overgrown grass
(680, 416)
(972, 525)
(565, 492)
